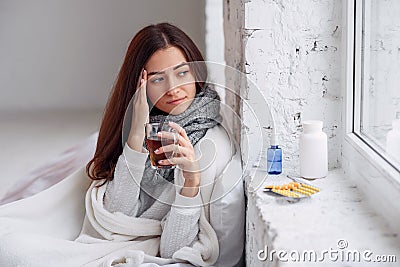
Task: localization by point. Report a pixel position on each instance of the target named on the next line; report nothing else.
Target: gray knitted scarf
(201, 115)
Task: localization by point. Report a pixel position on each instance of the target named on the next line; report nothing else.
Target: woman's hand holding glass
(186, 159)
(140, 114)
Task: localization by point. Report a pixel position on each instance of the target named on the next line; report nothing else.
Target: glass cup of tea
(154, 142)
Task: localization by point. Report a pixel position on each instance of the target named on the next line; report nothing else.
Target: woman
(157, 72)
(133, 213)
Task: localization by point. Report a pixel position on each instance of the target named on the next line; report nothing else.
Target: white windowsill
(376, 178)
(339, 211)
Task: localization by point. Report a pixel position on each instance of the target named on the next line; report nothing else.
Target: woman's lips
(177, 101)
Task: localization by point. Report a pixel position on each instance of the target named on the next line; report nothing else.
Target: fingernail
(161, 161)
(156, 151)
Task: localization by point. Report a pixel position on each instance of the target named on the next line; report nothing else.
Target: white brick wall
(234, 54)
(291, 50)
(293, 54)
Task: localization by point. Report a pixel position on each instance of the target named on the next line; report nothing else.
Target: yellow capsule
(307, 190)
(302, 191)
(311, 187)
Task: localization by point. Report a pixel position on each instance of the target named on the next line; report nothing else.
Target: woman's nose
(173, 91)
(173, 86)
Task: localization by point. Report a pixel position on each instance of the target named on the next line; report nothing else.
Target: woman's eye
(183, 73)
(157, 80)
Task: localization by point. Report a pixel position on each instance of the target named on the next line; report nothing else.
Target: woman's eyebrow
(180, 65)
(163, 72)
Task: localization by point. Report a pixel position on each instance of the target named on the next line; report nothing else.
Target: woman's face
(171, 85)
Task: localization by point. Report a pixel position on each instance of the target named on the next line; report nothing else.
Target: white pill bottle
(313, 150)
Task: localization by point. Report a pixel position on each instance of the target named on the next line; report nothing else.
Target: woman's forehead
(164, 59)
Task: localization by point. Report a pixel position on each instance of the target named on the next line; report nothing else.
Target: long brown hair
(143, 45)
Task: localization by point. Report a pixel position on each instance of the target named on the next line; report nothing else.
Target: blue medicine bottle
(274, 160)
(274, 157)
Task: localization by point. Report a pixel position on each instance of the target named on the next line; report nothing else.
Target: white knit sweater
(179, 221)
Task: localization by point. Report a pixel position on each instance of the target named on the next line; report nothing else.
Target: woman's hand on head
(185, 158)
(140, 114)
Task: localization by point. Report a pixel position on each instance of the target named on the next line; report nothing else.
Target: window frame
(361, 66)
(376, 177)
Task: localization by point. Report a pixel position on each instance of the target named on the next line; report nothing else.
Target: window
(372, 100)
(377, 101)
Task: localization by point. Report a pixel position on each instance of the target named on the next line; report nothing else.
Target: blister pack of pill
(293, 190)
